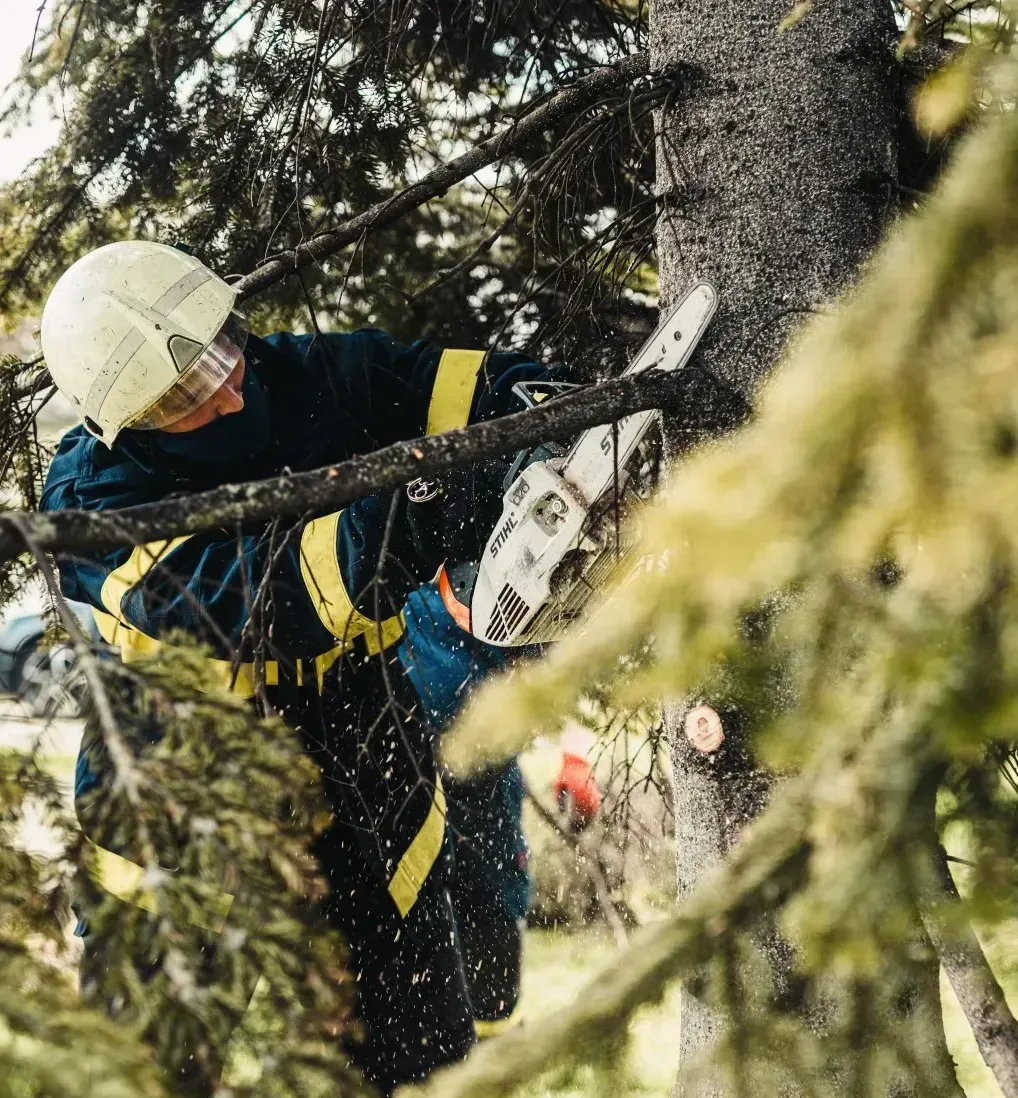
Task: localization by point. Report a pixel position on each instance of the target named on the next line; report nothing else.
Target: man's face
(226, 400)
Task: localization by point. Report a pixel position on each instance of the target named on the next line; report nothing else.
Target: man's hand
(576, 791)
(703, 729)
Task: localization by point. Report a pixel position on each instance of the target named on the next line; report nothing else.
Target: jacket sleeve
(403, 391)
(314, 587)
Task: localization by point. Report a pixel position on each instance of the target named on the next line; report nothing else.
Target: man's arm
(312, 586)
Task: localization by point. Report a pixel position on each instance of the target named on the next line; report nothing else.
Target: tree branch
(979, 994)
(702, 404)
(536, 121)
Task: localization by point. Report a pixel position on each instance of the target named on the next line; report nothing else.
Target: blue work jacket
(330, 606)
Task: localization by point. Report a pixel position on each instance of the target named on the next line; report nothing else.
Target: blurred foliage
(620, 868)
(844, 571)
(207, 799)
(242, 127)
(49, 1044)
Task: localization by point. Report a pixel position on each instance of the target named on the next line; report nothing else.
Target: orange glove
(576, 791)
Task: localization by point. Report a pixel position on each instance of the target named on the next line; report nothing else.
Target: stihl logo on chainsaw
(500, 538)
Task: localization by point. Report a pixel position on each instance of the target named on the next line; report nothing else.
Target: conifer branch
(771, 863)
(536, 121)
(700, 402)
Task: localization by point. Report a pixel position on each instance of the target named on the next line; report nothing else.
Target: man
(176, 396)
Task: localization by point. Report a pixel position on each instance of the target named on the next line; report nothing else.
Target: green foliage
(205, 798)
(244, 128)
(23, 462)
(209, 799)
(49, 1044)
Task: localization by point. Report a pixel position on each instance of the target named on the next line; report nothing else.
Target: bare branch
(698, 400)
(591, 866)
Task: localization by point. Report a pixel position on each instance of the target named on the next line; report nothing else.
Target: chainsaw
(562, 533)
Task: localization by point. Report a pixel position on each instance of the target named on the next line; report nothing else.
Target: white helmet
(138, 334)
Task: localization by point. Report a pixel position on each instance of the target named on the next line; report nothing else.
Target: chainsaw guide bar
(562, 533)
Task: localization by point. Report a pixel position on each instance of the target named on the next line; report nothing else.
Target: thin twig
(119, 754)
(533, 123)
(591, 867)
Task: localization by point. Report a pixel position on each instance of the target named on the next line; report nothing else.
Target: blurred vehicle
(43, 675)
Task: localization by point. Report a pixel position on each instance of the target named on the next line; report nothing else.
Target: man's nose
(228, 400)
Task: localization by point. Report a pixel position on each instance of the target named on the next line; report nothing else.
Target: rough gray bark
(776, 173)
(714, 801)
(979, 994)
(777, 167)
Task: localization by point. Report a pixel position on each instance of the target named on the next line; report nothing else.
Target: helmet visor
(200, 380)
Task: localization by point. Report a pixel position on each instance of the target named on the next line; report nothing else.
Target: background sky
(18, 148)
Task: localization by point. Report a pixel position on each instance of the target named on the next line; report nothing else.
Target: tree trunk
(777, 167)
(776, 173)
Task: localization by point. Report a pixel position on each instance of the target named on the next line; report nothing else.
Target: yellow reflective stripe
(384, 634)
(452, 395)
(137, 566)
(377, 638)
(319, 567)
(135, 645)
(416, 863)
(324, 662)
(123, 879)
(484, 1029)
(114, 632)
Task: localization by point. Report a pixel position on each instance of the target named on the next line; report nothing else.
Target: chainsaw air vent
(510, 610)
